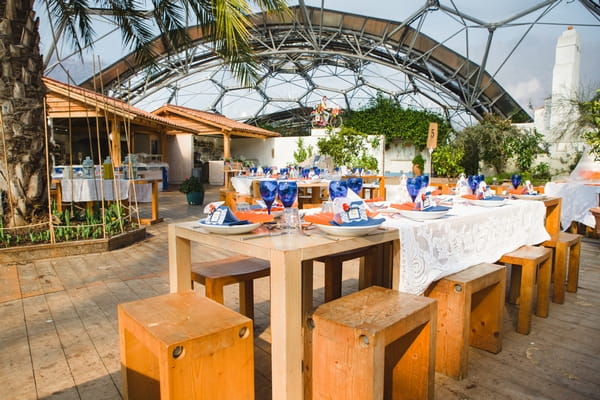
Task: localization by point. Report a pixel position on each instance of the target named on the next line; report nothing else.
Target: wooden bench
(374, 344)
(470, 311)
(243, 270)
(566, 250)
(185, 346)
(527, 263)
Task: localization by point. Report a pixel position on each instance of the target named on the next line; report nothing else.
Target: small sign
(218, 216)
(432, 135)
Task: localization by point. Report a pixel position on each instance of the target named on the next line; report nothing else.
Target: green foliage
(590, 118)
(419, 161)
(492, 141)
(349, 147)
(526, 147)
(446, 160)
(541, 172)
(385, 116)
(191, 184)
(71, 224)
(302, 153)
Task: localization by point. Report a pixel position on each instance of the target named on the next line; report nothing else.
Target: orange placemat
(404, 206)
(254, 216)
(469, 196)
(518, 191)
(319, 219)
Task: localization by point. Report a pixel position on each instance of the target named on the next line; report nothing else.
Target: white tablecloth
(82, 190)
(466, 236)
(577, 199)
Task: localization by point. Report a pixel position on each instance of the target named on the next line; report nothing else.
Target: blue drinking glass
(305, 173)
(516, 180)
(338, 189)
(287, 191)
(355, 184)
(268, 192)
(413, 185)
(266, 170)
(424, 181)
(283, 172)
(317, 171)
(473, 181)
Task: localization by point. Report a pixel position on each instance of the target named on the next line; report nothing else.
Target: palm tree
(23, 172)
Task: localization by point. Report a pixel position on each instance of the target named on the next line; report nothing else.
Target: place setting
(346, 214)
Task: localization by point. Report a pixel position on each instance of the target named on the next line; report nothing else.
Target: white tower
(565, 84)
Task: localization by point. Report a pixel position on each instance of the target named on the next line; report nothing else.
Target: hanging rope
(48, 176)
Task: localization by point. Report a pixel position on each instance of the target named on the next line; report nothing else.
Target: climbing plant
(386, 116)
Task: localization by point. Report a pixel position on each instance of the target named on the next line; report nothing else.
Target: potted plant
(418, 164)
(193, 189)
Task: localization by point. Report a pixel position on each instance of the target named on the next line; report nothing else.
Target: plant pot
(195, 198)
(416, 170)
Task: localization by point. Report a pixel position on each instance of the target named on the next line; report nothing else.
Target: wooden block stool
(214, 275)
(470, 311)
(333, 270)
(373, 344)
(567, 246)
(185, 346)
(529, 261)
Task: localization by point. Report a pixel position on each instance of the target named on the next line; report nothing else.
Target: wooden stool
(374, 344)
(333, 270)
(527, 261)
(566, 246)
(470, 311)
(185, 346)
(214, 275)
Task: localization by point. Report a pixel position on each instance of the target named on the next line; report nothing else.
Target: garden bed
(70, 248)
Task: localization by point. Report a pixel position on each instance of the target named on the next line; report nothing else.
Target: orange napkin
(254, 216)
(518, 191)
(436, 192)
(319, 219)
(404, 206)
(376, 199)
(469, 196)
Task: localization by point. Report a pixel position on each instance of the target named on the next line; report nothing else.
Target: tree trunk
(23, 174)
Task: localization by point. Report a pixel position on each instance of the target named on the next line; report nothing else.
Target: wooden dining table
(290, 257)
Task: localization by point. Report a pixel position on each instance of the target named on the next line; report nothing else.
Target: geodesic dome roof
(433, 55)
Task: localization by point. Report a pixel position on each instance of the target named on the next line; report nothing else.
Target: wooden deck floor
(59, 340)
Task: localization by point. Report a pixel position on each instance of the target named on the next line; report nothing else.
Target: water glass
(290, 219)
(355, 184)
(413, 185)
(337, 189)
(287, 191)
(516, 180)
(268, 192)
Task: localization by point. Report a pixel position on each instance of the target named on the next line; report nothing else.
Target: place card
(347, 211)
(217, 217)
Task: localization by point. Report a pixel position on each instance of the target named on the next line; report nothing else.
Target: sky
(521, 57)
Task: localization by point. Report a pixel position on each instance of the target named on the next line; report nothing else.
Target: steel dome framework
(314, 52)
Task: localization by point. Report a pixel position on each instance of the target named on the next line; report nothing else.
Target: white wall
(179, 157)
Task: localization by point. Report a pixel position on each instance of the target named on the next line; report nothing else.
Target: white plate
(488, 203)
(229, 229)
(423, 215)
(530, 196)
(348, 230)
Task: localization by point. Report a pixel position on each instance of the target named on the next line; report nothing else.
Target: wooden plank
(85, 364)
(9, 283)
(16, 372)
(28, 280)
(50, 367)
